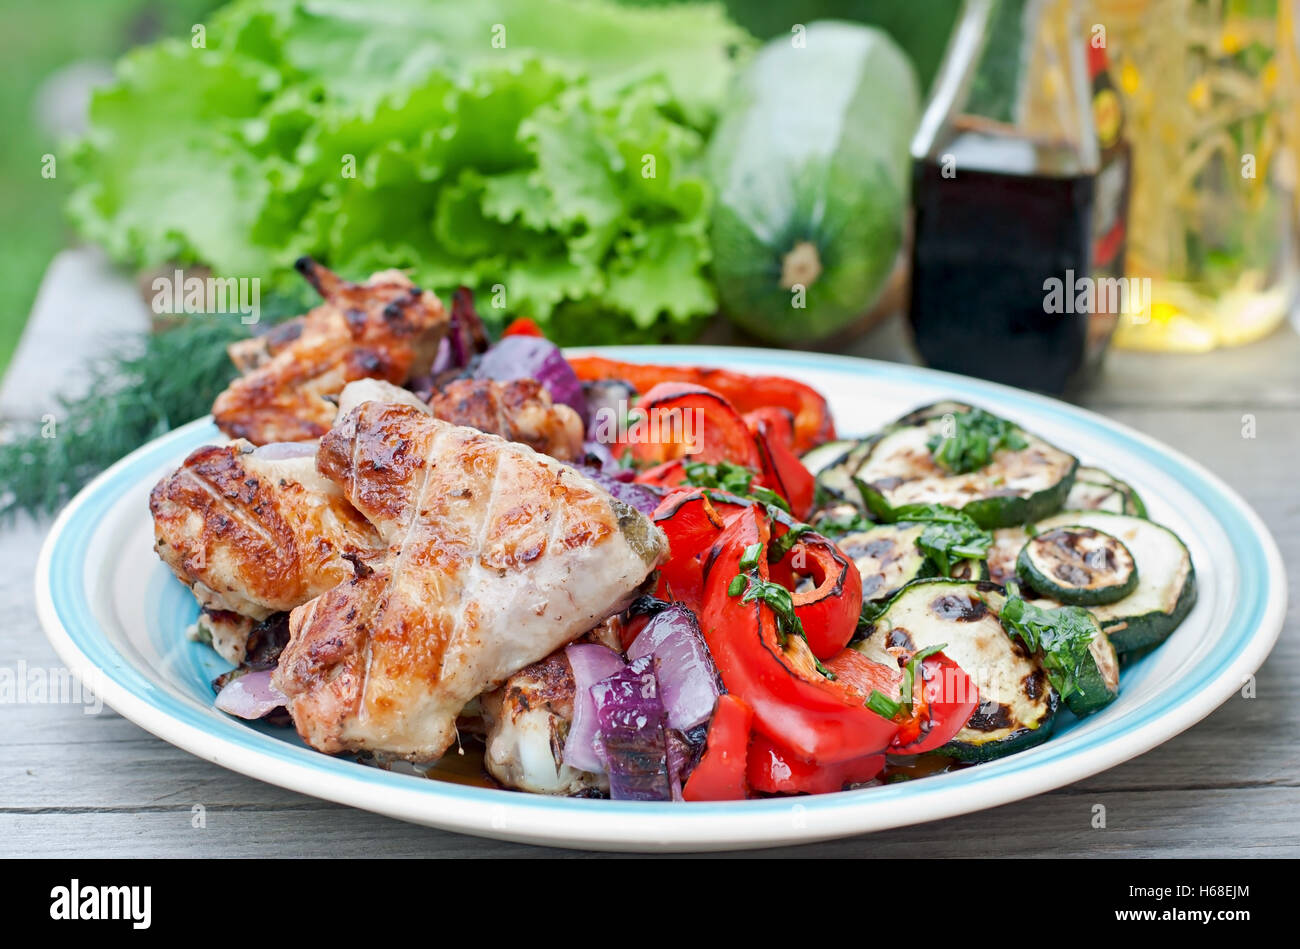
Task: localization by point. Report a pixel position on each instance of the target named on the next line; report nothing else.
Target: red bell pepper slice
(781, 468)
(812, 417)
(943, 696)
(773, 669)
(855, 671)
(670, 474)
(720, 774)
(692, 519)
(775, 769)
(778, 423)
(830, 610)
(681, 420)
(522, 326)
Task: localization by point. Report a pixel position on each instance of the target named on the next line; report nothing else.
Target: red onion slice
(688, 680)
(251, 696)
(590, 662)
(531, 357)
(632, 742)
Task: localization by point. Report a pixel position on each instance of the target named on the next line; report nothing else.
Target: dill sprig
(134, 393)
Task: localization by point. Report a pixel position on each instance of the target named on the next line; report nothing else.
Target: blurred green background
(39, 40)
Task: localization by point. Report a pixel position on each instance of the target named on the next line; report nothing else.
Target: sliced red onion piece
(531, 357)
(688, 680)
(630, 719)
(251, 696)
(590, 662)
(640, 496)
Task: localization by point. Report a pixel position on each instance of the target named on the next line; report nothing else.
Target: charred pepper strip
(812, 416)
(794, 704)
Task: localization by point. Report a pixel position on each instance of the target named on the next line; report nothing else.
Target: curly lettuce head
(546, 153)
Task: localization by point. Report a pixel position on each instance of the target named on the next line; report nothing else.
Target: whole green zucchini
(810, 170)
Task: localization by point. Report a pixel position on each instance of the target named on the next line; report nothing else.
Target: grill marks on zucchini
(1166, 585)
(835, 464)
(887, 559)
(1096, 490)
(1017, 703)
(1017, 486)
(1078, 565)
(1004, 552)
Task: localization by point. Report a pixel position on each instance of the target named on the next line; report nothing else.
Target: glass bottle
(1215, 127)
(1016, 201)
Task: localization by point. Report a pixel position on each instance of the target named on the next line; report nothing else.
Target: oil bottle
(1020, 200)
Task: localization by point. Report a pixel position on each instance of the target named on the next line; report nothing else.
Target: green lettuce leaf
(546, 153)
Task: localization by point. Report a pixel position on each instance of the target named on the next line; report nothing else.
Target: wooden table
(73, 784)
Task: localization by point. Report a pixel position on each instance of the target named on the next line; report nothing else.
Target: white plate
(117, 617)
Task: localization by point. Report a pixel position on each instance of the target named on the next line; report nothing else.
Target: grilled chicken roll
(519, 411)
(386, 328)
(497, 555)
(528, 720)
(257, 531)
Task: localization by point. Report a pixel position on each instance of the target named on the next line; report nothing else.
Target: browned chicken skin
(497, 556)
(518, 411)
(256, 535)
(386, 328)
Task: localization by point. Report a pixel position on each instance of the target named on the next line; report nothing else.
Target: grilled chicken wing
(528, 721)
(386, 329)
(253, 532)
(518, 411)
(497, 555)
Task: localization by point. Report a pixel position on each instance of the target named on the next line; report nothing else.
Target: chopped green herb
(975, 437)
(777, 598)
(883, 705)
(734, 479)
(1063, 635)
(782, 545)
(769, 497)
(949, 534)
(749, 559)
(845, 524)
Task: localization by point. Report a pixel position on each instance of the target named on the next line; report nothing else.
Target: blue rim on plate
(65, 609)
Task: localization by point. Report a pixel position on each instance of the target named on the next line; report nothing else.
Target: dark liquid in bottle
(985, 245)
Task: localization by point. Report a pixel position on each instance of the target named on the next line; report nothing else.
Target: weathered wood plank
(1195, 823)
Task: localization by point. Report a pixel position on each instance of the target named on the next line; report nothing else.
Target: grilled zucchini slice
(1166, 587)
(1078, 565)
(1096, 490)
(1078, 656)
(887, 559)
(1004, 553)
(1016, 487)
(1098, 683)
(934, 410)
(1017, 706)
(834, 465)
